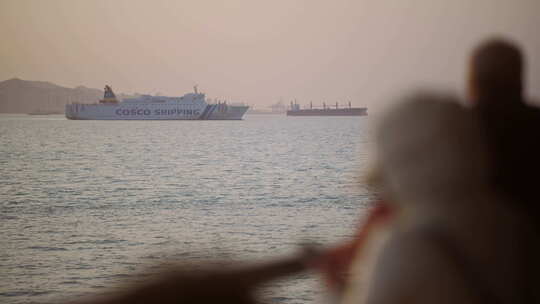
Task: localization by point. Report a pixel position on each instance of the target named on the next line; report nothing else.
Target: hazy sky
(255, 51)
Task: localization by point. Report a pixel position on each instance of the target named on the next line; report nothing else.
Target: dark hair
(498, 70)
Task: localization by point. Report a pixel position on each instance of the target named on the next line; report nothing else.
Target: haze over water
(87, 204)
(257, 52)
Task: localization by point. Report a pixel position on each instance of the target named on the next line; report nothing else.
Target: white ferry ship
(191, 106)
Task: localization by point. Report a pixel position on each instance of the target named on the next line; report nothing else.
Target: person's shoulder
(527, 116)
(415, 253)
(533, 107)
(533, 103)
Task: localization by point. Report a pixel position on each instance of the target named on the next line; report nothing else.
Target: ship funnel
(108, 95)
(195, 89)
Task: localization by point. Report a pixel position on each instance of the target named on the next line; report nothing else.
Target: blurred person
(496, 91)
(497, 94)
(453, 237)
(496, 74)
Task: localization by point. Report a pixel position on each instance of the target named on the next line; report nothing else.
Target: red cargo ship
(326, 111)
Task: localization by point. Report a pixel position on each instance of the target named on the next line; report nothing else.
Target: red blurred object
(335, 262)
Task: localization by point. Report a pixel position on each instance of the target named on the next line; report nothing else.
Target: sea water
(88, 205)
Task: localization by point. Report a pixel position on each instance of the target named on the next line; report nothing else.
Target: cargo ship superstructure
(326, 111)
(191, 106)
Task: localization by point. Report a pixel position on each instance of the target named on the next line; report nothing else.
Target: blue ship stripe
(204, 112)
(211, 111)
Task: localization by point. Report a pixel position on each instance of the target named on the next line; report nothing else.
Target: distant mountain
(23, 96)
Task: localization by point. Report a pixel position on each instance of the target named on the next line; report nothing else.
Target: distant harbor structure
(276, 108)
(325, 111)
(279, 107)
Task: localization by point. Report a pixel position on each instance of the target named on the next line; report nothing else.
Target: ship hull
(329, 112)
(154, 111)
(231, 113)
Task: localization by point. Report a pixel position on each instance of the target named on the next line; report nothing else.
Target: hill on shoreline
(24, 96)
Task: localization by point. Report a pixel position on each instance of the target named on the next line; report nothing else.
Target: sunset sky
(257, 52)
